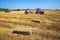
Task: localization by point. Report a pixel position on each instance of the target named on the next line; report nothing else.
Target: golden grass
(47, 29)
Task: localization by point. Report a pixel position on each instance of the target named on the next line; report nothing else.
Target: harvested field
(48, 27)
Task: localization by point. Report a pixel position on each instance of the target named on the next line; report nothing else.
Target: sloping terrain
(47, 27)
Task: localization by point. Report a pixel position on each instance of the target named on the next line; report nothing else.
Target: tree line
(8, 10)
(5, 9)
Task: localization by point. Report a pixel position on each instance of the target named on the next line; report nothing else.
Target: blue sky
(32, 4)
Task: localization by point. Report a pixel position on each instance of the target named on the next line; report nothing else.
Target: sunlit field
(47, 29)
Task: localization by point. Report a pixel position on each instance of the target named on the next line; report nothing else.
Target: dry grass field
(47, 29)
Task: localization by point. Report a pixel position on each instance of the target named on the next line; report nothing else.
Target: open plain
(48, 27)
